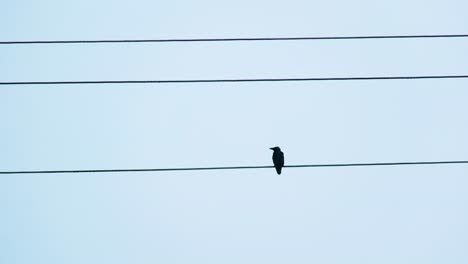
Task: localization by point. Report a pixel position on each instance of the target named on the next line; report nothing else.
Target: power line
(230, 39)
(242, 80)
(239, 167)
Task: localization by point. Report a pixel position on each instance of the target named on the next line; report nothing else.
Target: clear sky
(407, 214)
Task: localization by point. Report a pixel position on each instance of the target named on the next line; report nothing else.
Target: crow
(278, 159)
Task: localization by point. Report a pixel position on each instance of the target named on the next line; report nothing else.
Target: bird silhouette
(278, 159)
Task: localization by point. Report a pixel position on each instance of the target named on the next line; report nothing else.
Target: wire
(229, 39)
(239, 167)
(243, 80)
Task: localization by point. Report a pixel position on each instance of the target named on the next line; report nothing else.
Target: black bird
(278, 159)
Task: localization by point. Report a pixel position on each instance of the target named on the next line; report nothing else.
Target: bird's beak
(272, 148)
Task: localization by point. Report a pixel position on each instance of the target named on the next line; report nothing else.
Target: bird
(278, 159)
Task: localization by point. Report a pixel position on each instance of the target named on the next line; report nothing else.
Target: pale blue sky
(409, 214)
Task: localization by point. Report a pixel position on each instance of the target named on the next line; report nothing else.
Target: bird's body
(278, 159)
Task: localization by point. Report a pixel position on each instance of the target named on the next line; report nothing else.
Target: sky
(398, 214)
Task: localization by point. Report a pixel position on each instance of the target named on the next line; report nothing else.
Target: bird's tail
(278, 170)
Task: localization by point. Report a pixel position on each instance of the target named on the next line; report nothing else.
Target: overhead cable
(237, 167)
(368, 78)
(19, 42)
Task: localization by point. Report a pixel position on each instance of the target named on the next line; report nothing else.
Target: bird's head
(275, 148)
